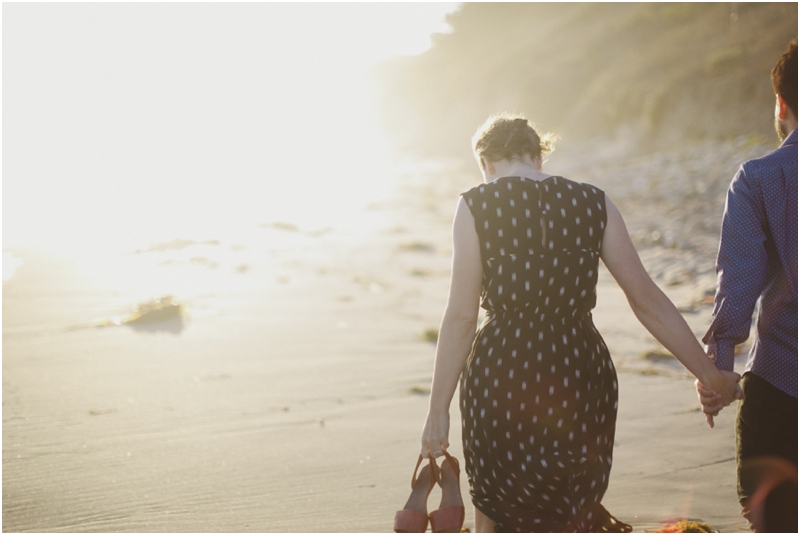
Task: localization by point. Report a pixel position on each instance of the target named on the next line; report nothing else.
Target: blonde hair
(507, 136)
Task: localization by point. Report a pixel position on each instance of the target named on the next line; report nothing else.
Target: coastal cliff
(648, 75)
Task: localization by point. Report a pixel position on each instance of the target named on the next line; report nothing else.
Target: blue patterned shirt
(757, 264)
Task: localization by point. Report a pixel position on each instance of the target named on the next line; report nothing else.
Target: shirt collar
(791, 139)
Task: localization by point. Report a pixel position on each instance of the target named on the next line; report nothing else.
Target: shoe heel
(449, 519)
(412, 520)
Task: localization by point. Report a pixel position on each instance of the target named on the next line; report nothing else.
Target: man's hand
(712, 401)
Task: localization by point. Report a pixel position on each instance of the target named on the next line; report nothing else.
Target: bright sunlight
(128, 124)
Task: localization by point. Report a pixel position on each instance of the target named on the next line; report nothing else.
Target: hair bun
(507, 136)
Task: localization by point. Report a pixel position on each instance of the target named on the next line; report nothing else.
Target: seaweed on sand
(658, 356)
(158, 314)
(431, 335)
(155, 310)
(686, 526)
(417, 246)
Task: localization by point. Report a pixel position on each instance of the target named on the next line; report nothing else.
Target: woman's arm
(457, 329)
(654, 309)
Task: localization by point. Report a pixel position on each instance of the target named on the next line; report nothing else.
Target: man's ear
(783, 109)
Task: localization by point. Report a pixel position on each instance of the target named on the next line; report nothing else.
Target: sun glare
(137, 123)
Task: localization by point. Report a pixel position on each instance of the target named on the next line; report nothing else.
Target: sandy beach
(227, 243)
(290, 394)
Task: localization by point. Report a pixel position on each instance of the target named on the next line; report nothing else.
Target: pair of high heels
(449, 518)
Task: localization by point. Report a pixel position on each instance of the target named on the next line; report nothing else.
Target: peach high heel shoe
(449, 517)
(412, 519)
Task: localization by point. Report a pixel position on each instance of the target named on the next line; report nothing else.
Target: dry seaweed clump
(157, 309)
(153, 311)
(431, 335)
(686, 526)
(417, 246)
(657, 356)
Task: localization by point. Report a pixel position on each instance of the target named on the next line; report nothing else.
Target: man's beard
(780, 128)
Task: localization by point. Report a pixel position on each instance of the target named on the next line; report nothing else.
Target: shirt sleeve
(741, 269)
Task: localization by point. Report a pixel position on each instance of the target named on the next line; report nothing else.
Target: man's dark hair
(784, 77)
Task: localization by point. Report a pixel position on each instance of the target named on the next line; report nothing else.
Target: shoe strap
(453, 464)
(434, 471)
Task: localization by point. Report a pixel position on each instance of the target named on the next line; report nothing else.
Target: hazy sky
(131, 122)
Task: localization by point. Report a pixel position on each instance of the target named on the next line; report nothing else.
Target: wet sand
(291, 399)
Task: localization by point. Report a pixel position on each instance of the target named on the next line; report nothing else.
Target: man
(757, 261)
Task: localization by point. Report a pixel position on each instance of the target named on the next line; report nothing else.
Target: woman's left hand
(708, 399)
(712, 401)
(435, 433)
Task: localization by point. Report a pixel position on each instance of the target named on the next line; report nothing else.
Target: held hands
(435, 433)
(718, 395)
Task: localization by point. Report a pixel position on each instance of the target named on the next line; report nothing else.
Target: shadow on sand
(169, 325)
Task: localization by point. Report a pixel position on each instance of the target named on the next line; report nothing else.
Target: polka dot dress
(538, 394)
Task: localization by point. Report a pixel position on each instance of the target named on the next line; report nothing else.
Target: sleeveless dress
(538, 393)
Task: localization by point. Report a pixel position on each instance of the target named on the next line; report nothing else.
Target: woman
(538, 390)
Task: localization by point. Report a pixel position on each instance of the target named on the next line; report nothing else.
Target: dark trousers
(766, 456)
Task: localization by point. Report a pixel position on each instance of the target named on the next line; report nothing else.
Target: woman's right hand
(435, 433)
